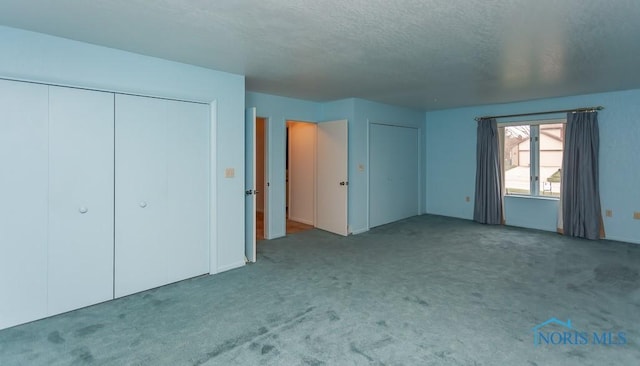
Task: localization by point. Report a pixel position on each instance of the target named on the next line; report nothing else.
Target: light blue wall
(366, 112)
(37, 57)
(278, 110)
(359, 113)
(451, 144)
(338, 109)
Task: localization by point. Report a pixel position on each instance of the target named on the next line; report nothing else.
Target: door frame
(288, 165)
(213, 185)
(264, 186)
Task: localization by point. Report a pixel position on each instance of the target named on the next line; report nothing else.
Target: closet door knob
(143, 204)
(83, 210)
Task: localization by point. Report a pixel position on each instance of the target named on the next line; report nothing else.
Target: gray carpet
(424, 291)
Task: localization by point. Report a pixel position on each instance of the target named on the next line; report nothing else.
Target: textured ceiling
(428, 54)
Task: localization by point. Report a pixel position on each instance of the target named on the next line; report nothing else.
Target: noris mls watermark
(554, 332)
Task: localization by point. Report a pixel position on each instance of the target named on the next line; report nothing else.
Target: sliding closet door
(394, 190)
(23, 202)
(141, 194)
(188, 190)
(80, 198)
(161, 192)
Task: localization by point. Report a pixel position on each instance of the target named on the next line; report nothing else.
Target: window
(533, 157)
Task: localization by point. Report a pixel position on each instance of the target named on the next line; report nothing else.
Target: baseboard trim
(621, 239)
(297, 219)
(229, 267)
(359, 231)
(276, 236)
(607, 237)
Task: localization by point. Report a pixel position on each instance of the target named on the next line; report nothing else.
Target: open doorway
(261, 177)
(300, 176)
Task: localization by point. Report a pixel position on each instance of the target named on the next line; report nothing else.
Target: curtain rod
(586, 109)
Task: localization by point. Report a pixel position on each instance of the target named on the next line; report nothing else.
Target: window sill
(543, 198)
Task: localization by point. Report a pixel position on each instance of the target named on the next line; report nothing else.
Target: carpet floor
(428, 290)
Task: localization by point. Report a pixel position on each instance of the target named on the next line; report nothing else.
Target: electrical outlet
(636, 215)
(608, 213)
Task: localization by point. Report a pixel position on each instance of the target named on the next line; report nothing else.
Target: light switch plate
(229, 173)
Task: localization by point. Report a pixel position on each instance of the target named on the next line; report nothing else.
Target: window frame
(534, 154)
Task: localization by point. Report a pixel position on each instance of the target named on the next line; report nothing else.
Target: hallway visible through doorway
(292, 226)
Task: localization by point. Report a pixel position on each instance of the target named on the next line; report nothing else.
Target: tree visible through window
(533, 158)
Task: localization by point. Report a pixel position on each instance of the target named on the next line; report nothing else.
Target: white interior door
(23, 202)
(250, 185)
(332, 186)
(81, 167)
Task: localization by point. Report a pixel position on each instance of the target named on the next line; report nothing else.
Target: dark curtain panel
(580, 192)
(488, 200)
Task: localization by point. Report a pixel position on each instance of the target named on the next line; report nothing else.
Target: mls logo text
(568, 336)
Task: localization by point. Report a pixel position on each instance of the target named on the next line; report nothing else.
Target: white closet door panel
(23, 202)
(188, 190)
(80, 198)
(140, 194)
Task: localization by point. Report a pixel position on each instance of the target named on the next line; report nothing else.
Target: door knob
(83, 210)
(143, 204)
